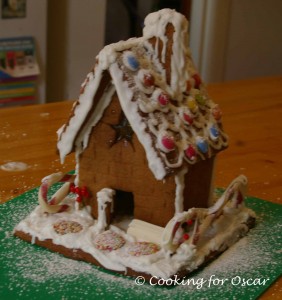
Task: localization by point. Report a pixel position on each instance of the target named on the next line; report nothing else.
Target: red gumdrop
(186, 236)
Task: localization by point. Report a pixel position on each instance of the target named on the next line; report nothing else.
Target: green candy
(200, 99)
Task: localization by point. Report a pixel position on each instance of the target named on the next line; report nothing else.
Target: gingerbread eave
(160, 93)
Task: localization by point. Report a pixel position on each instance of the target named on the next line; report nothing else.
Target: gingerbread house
(145, 126)
(145, 134)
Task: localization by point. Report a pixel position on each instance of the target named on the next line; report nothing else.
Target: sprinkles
(65, 227)
(142, 248)
(108, 240)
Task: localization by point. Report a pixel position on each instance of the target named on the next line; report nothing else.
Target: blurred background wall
(33, 24)
(229, 39)
(236, 39)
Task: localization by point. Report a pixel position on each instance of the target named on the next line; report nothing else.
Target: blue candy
(214, 132)
(133, 63)
(203, 146)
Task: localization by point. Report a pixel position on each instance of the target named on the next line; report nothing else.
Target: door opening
(123, 209)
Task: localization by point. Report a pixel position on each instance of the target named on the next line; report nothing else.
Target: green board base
(244, 271)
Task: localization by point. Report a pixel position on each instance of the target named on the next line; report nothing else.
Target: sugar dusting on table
(14, 166)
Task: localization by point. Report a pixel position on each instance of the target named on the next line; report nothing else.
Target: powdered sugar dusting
(14, 166)
(28, 271)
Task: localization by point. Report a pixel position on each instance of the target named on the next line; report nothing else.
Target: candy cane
(202, 217)
(175, 224)
(53, 205)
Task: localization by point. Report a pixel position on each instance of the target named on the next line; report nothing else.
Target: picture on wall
(13, 9)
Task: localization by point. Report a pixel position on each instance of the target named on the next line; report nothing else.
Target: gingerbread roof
(160, 93)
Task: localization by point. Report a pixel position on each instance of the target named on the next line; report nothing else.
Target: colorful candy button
(202, 145)
(200, 99)
(131, 61)
(192, 104)
(217, 113)
(148, 79)
(163, 99)
(188, 119)
(197, 80)
(168, 142)
(190, 152)
(214, 133)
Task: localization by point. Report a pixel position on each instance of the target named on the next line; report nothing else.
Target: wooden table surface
(252, 117)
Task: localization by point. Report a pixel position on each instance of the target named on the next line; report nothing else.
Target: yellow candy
(192, 104)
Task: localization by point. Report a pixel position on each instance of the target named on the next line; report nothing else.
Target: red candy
(78, 199)
(217, 113)
(189, 222)
(198, 80)
(72, 188)
(80, 192)
(190, 152)
(163, 99)
(77, 190)
(188, 118)
(84, 192)
(148, 80)
(168, 142)
(186, 236)
(188, 86)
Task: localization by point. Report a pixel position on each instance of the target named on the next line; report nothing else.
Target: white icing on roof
(184, 118)
(155, 26)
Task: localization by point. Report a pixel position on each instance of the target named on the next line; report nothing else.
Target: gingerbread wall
(123, 166)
